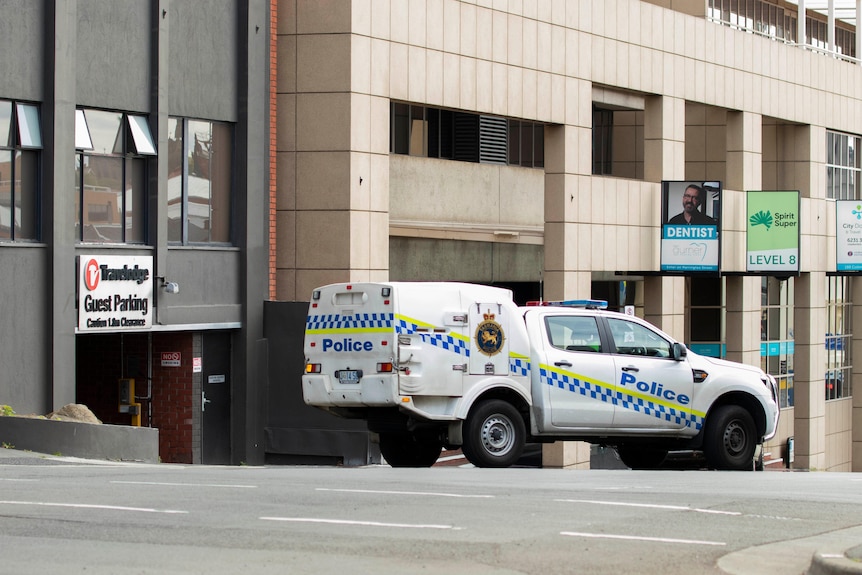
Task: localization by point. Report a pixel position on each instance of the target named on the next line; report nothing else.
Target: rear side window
(573, 333)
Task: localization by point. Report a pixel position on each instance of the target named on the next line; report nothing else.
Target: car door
(578, 374)
(653, 390)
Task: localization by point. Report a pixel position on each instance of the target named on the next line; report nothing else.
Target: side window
(634, 339)
(573, 333)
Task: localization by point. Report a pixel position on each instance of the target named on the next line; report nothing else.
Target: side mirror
(679, 352)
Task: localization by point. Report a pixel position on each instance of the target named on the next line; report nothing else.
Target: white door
(577, 375)
(653, 390)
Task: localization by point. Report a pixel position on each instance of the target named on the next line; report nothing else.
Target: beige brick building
(525, 142)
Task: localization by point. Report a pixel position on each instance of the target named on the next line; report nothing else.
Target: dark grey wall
(22, 49)
(25, 349)
(203, 59)
(296, 432)
(113, 55)
(209, 286)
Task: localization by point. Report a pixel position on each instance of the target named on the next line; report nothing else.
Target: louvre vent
(492, 140)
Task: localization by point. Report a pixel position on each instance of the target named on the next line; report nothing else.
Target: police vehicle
(447, 365)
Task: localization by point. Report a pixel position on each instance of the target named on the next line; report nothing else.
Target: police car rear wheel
(730, 439)
(494, 434)
(409, 450)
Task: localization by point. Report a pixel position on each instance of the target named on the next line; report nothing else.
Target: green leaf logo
(761, 218)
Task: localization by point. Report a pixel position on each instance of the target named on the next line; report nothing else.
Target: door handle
(563, 363)
(630, 368)
(204, 401)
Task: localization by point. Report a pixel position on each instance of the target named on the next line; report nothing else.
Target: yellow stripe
(514, 355)
(350, 330)
(651, 398)
(423, 324)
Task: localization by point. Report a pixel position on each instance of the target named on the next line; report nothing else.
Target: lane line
(637, 538)
(651, 506)
(168, 484)
(93, 506)
(19, 480)
(358, 523)
(384, 492)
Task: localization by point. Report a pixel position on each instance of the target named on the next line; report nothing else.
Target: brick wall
(173, 391)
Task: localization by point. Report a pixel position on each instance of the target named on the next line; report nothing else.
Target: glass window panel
(26, 195)
(539, 146)
(105, 131)
(6, 138)
(199, 191)
(103, 199)
(82, 132)
(514, 142)
(29, 132)
(418, 131)
(175, 180)
(6, 207)
(135, 201)
(527, 145)
(78, 176)
(141, 137)
(400, 128)
(222, 183)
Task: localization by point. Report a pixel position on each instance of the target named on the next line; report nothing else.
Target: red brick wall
(172, 398)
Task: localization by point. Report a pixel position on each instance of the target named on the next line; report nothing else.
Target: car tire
(494, 434)
(730, 439)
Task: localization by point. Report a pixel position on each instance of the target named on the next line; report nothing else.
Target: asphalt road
(69, 516)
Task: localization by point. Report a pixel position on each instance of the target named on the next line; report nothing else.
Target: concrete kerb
(847, 563)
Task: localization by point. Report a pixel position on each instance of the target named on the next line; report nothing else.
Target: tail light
(384, 368)
(312, 368)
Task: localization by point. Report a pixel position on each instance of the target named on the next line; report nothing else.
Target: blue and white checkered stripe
(587, 388)
(605, 392)
(519, 365)
(357, 321)
(658, 410)
(442, 340)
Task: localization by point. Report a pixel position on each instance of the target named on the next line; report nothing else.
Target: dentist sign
(690, 238)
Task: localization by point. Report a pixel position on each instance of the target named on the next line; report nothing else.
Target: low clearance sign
(115, 293)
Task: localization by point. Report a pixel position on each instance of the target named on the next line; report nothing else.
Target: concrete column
(743, 319)
(809, 361)
(59, 230)
(856, 377)
(568, 234)
(332, 150)
(744, 172)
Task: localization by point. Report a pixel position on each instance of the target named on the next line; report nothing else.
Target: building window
(776, 334)
(839, 335)
(436, 133)
(707, 330)
(842, 166)
(603, 128)
(111, 176)
(200, 181)
(20, 157)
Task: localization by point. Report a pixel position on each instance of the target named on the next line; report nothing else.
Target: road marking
(18, 480)
(165, 483)
(650, 506)
(636, 538)
(92, 506)
(358, 523)
(427, 493)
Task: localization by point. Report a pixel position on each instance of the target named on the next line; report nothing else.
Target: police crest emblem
(489, 335)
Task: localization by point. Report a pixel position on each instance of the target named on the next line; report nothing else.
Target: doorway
(216, 398)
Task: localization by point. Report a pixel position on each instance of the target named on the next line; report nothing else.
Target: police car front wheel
(730, 439)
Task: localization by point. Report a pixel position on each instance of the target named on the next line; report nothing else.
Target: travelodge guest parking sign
(115, 293)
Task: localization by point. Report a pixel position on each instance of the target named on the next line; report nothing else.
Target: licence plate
(348, 376)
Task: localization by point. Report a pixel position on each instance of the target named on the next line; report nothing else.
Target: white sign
(115, 293)
(197, 365)
(171, 359)
(848, 235)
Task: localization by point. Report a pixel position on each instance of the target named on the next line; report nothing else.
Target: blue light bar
(584, 303)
